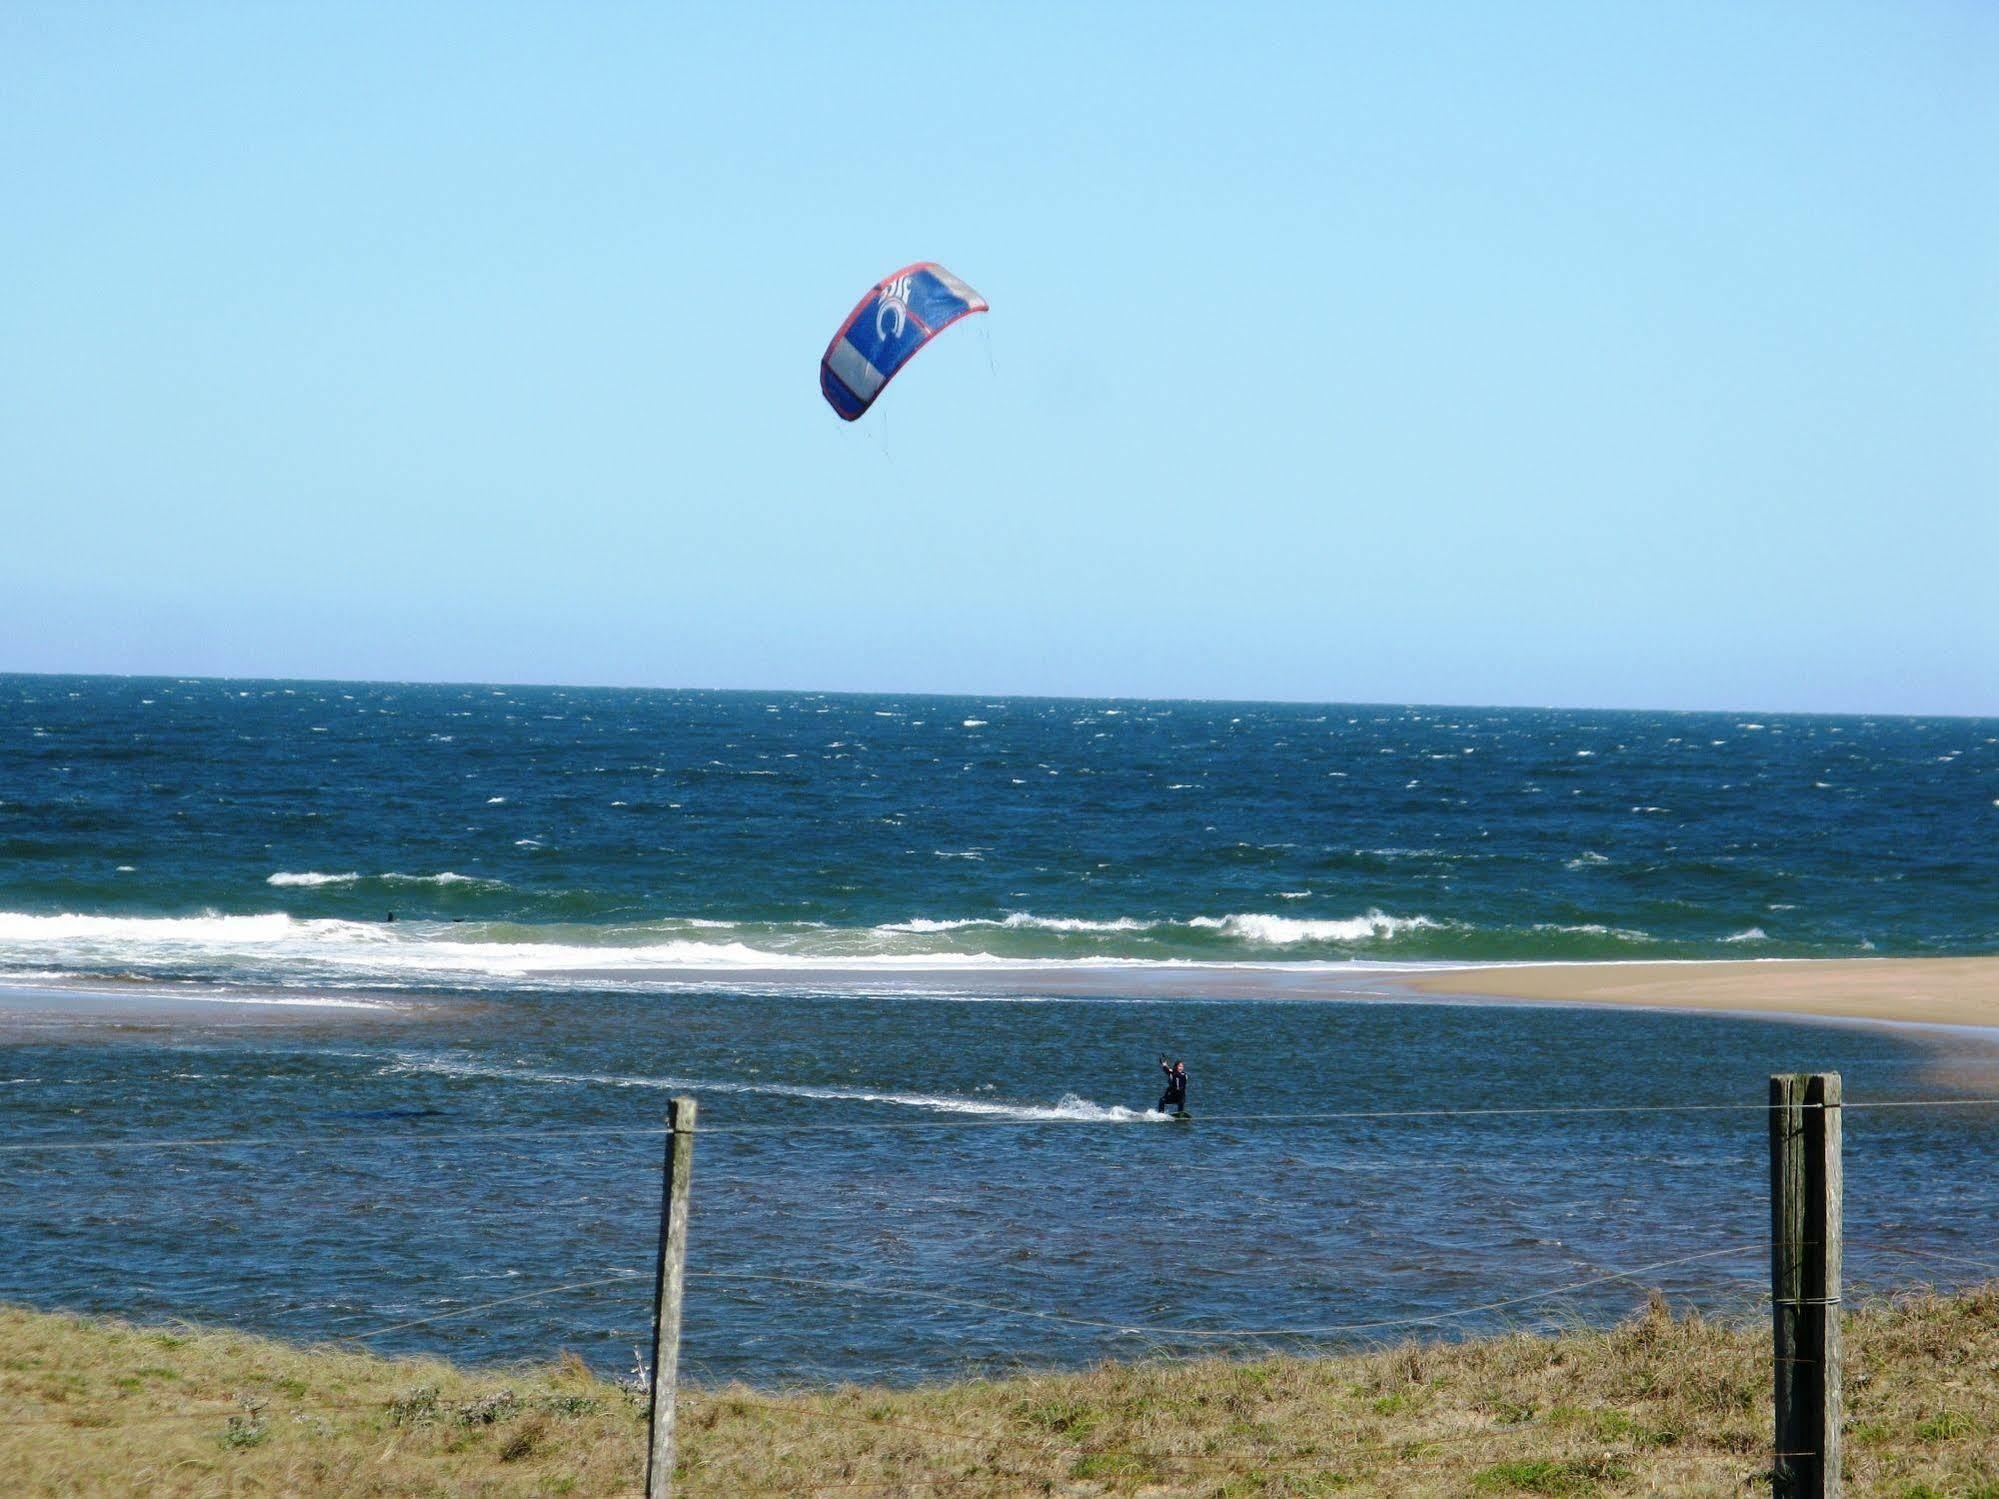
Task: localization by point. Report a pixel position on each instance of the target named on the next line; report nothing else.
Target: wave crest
(1287, 931)
(313, 879)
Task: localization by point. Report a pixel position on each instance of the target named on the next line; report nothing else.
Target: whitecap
(17, 926)
(1017, 920)
(1284, 931)
(1595, 929)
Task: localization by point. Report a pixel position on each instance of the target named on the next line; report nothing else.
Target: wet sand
(37, 1011)
(1923, 991)
(1927, 991)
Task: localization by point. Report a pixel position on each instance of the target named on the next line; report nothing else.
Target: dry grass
(1661, 1405)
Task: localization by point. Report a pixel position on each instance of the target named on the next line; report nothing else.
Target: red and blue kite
(900, 314)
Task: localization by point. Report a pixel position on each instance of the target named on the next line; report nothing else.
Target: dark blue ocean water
(917, 957)
(634, 829)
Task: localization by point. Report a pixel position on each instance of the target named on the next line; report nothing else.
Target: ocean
(438, 954)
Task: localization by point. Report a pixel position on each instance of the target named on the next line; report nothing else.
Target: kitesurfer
(1174, 1099)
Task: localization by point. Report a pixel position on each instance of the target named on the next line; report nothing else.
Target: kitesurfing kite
(899, 315)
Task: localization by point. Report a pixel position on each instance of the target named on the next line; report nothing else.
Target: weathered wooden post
(1805, 1210)
(667, 1290)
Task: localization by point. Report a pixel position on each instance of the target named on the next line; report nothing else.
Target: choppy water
(262, 830)
(811, 912)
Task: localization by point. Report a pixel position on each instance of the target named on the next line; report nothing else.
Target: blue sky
(1594, 355)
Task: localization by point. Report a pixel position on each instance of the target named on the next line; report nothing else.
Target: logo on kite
(899, 315)
(894, 303)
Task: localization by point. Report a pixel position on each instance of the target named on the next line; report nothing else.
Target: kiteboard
(1180, 1116)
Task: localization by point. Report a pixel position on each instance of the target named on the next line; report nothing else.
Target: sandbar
(33, 1011)
(1924, 991)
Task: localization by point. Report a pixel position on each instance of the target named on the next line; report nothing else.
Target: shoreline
(41, 1008)
(1962, 993)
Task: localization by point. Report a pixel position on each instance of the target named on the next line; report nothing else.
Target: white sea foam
(1068, 1107)
(19, 927)
(276, 950)
(1749, 934)
(1284, 931)
(1595, 929)
(1020, 921)
(312, 878)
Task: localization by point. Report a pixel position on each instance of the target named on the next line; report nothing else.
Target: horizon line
(1051, 697)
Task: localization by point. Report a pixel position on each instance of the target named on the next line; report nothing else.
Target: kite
(899, 315)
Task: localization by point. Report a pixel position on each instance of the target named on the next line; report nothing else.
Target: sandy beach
(36, 1011)
(1924, 991)
(1930, 991)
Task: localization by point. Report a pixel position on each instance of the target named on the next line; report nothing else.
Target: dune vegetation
(1663, 1404)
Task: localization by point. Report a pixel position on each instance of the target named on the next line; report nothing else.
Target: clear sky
(1615, 355)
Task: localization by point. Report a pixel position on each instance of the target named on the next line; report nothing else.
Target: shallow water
(990, 1152)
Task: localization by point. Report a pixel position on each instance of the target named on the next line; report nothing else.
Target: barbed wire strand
(1423, 1461)
(1059, 1122)
(1879, 1247)
(1267, 1462)
(1156, 1330)
(378, 1137)
(622, 1277)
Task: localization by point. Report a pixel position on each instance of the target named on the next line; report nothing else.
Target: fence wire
(820, 1127)
(1413, 1453)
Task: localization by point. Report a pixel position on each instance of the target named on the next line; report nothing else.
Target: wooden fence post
(1806, 1195)
(666, 1295)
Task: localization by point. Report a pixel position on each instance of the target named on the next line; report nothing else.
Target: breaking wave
(312, 879)
(276, 948)
(1287, 931)
(1022, 921)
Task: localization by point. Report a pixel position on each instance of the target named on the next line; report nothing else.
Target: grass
(1661, 1405)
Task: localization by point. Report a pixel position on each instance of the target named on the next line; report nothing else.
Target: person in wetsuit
(1174, 1099)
